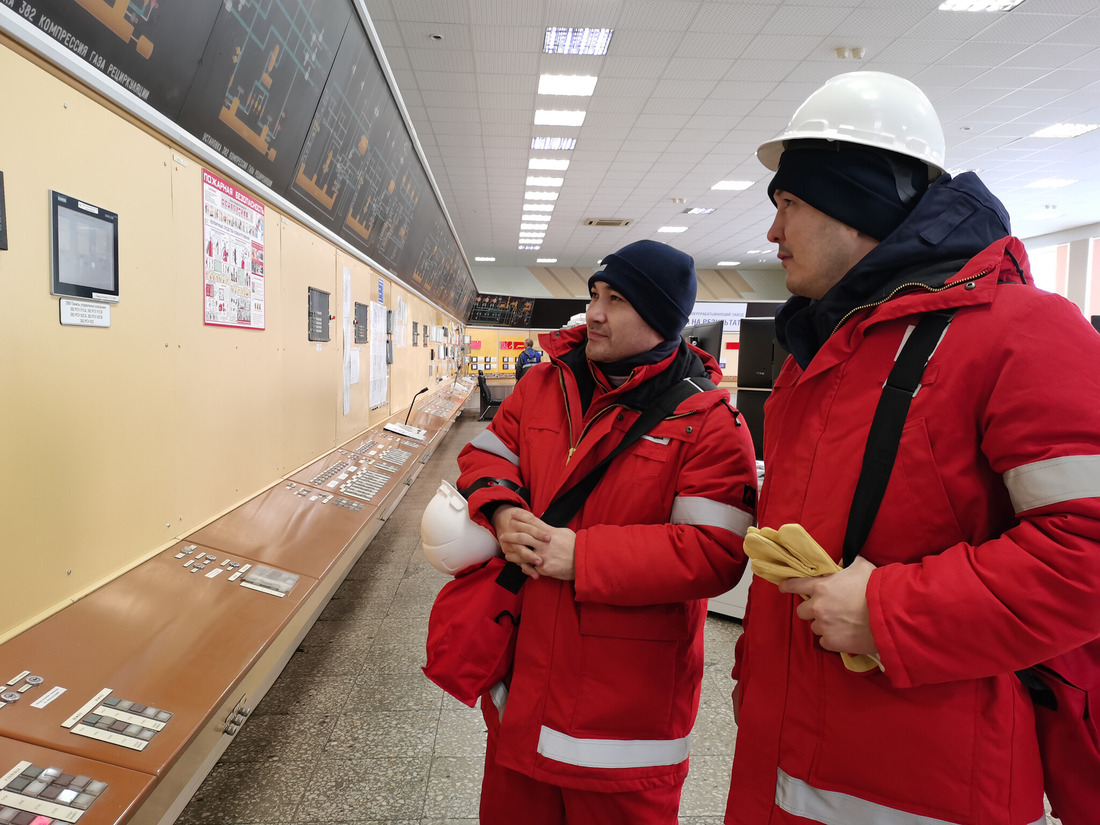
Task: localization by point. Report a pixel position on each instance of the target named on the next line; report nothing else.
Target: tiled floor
(352, 731)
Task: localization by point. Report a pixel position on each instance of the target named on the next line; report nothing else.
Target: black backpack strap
(885, 434)
(565, 506)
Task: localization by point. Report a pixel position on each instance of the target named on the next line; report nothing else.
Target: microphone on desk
(411, 405)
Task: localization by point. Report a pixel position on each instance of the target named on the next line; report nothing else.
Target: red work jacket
(607, 674)
(987, 547)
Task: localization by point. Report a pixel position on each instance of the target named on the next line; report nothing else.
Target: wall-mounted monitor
(84, 245)
(756, 353)
(708, 337)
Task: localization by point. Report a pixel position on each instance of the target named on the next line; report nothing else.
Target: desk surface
(159, 640)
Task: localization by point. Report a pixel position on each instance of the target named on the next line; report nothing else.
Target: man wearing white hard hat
(984, 556)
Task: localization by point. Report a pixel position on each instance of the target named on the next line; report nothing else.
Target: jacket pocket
(901, 757)
(632, 667)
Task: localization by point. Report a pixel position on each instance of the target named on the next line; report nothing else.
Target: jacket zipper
(573, 446)
(897, 289)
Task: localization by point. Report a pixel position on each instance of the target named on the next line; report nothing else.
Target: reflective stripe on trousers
(834, 808)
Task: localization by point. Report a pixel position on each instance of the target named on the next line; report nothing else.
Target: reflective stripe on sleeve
(708, 513)
(834, 808)
(487, 440)
(612, 753)
(1053, 480)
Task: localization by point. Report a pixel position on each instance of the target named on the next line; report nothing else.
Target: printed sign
(233, 255)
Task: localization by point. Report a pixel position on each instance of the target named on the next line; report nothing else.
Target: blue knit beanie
(657, 280)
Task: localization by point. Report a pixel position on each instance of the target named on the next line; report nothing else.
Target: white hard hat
(451, 540)
(868, 108)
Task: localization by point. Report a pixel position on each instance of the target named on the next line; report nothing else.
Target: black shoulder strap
(565, 506)
(885, 434)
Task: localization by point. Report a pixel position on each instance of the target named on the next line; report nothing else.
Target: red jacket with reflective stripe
(987, 547)
(617, 654)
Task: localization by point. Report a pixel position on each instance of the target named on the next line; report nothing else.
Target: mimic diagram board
(359, 175)
(290, 92)
(261, 76)
(148, 47)
(501, 311)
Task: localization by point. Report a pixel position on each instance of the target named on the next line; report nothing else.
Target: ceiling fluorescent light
(567, 84)
(540, 196)
(529, 247)
(534, 226)
(535, 181)
(558, 117)
(568, 40)
(979, 5)
(538, 207)
(546, 260)
(697, 210)
(728, 263)
(548, 163)
(735, 185)
(1065, 130)
(555, 144)
(1051, 183)
(673, 229)
(484, 259)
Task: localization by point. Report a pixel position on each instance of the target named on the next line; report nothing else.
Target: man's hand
(836, 607)
(538, 548)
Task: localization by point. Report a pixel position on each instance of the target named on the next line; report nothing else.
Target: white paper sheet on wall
(348, 340)
(379, 372)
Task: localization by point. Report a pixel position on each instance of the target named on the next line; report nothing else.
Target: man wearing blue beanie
(593, 722)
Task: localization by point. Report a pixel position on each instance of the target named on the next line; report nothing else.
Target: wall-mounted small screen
(85, 249)
(708, 337)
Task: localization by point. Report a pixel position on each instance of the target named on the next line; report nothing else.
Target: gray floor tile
(707, 786)
(460, 733)
(401, 690)
(381, 789)
(306, 694)
(408, 734)
(286, 738)
(248, 792)
(454, 787)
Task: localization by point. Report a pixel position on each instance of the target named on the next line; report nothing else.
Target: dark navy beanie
(869, 190)
(657, 280)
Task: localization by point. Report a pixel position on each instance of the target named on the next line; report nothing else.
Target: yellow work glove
(791, 552)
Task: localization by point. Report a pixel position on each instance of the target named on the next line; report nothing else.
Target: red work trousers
(508, 797)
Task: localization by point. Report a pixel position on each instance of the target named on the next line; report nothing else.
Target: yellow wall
(115, 442)
(492, 341)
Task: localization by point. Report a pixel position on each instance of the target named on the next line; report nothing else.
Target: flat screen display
(85, 249)
(708, 337)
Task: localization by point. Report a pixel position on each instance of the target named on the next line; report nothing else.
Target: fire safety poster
(233, 255)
